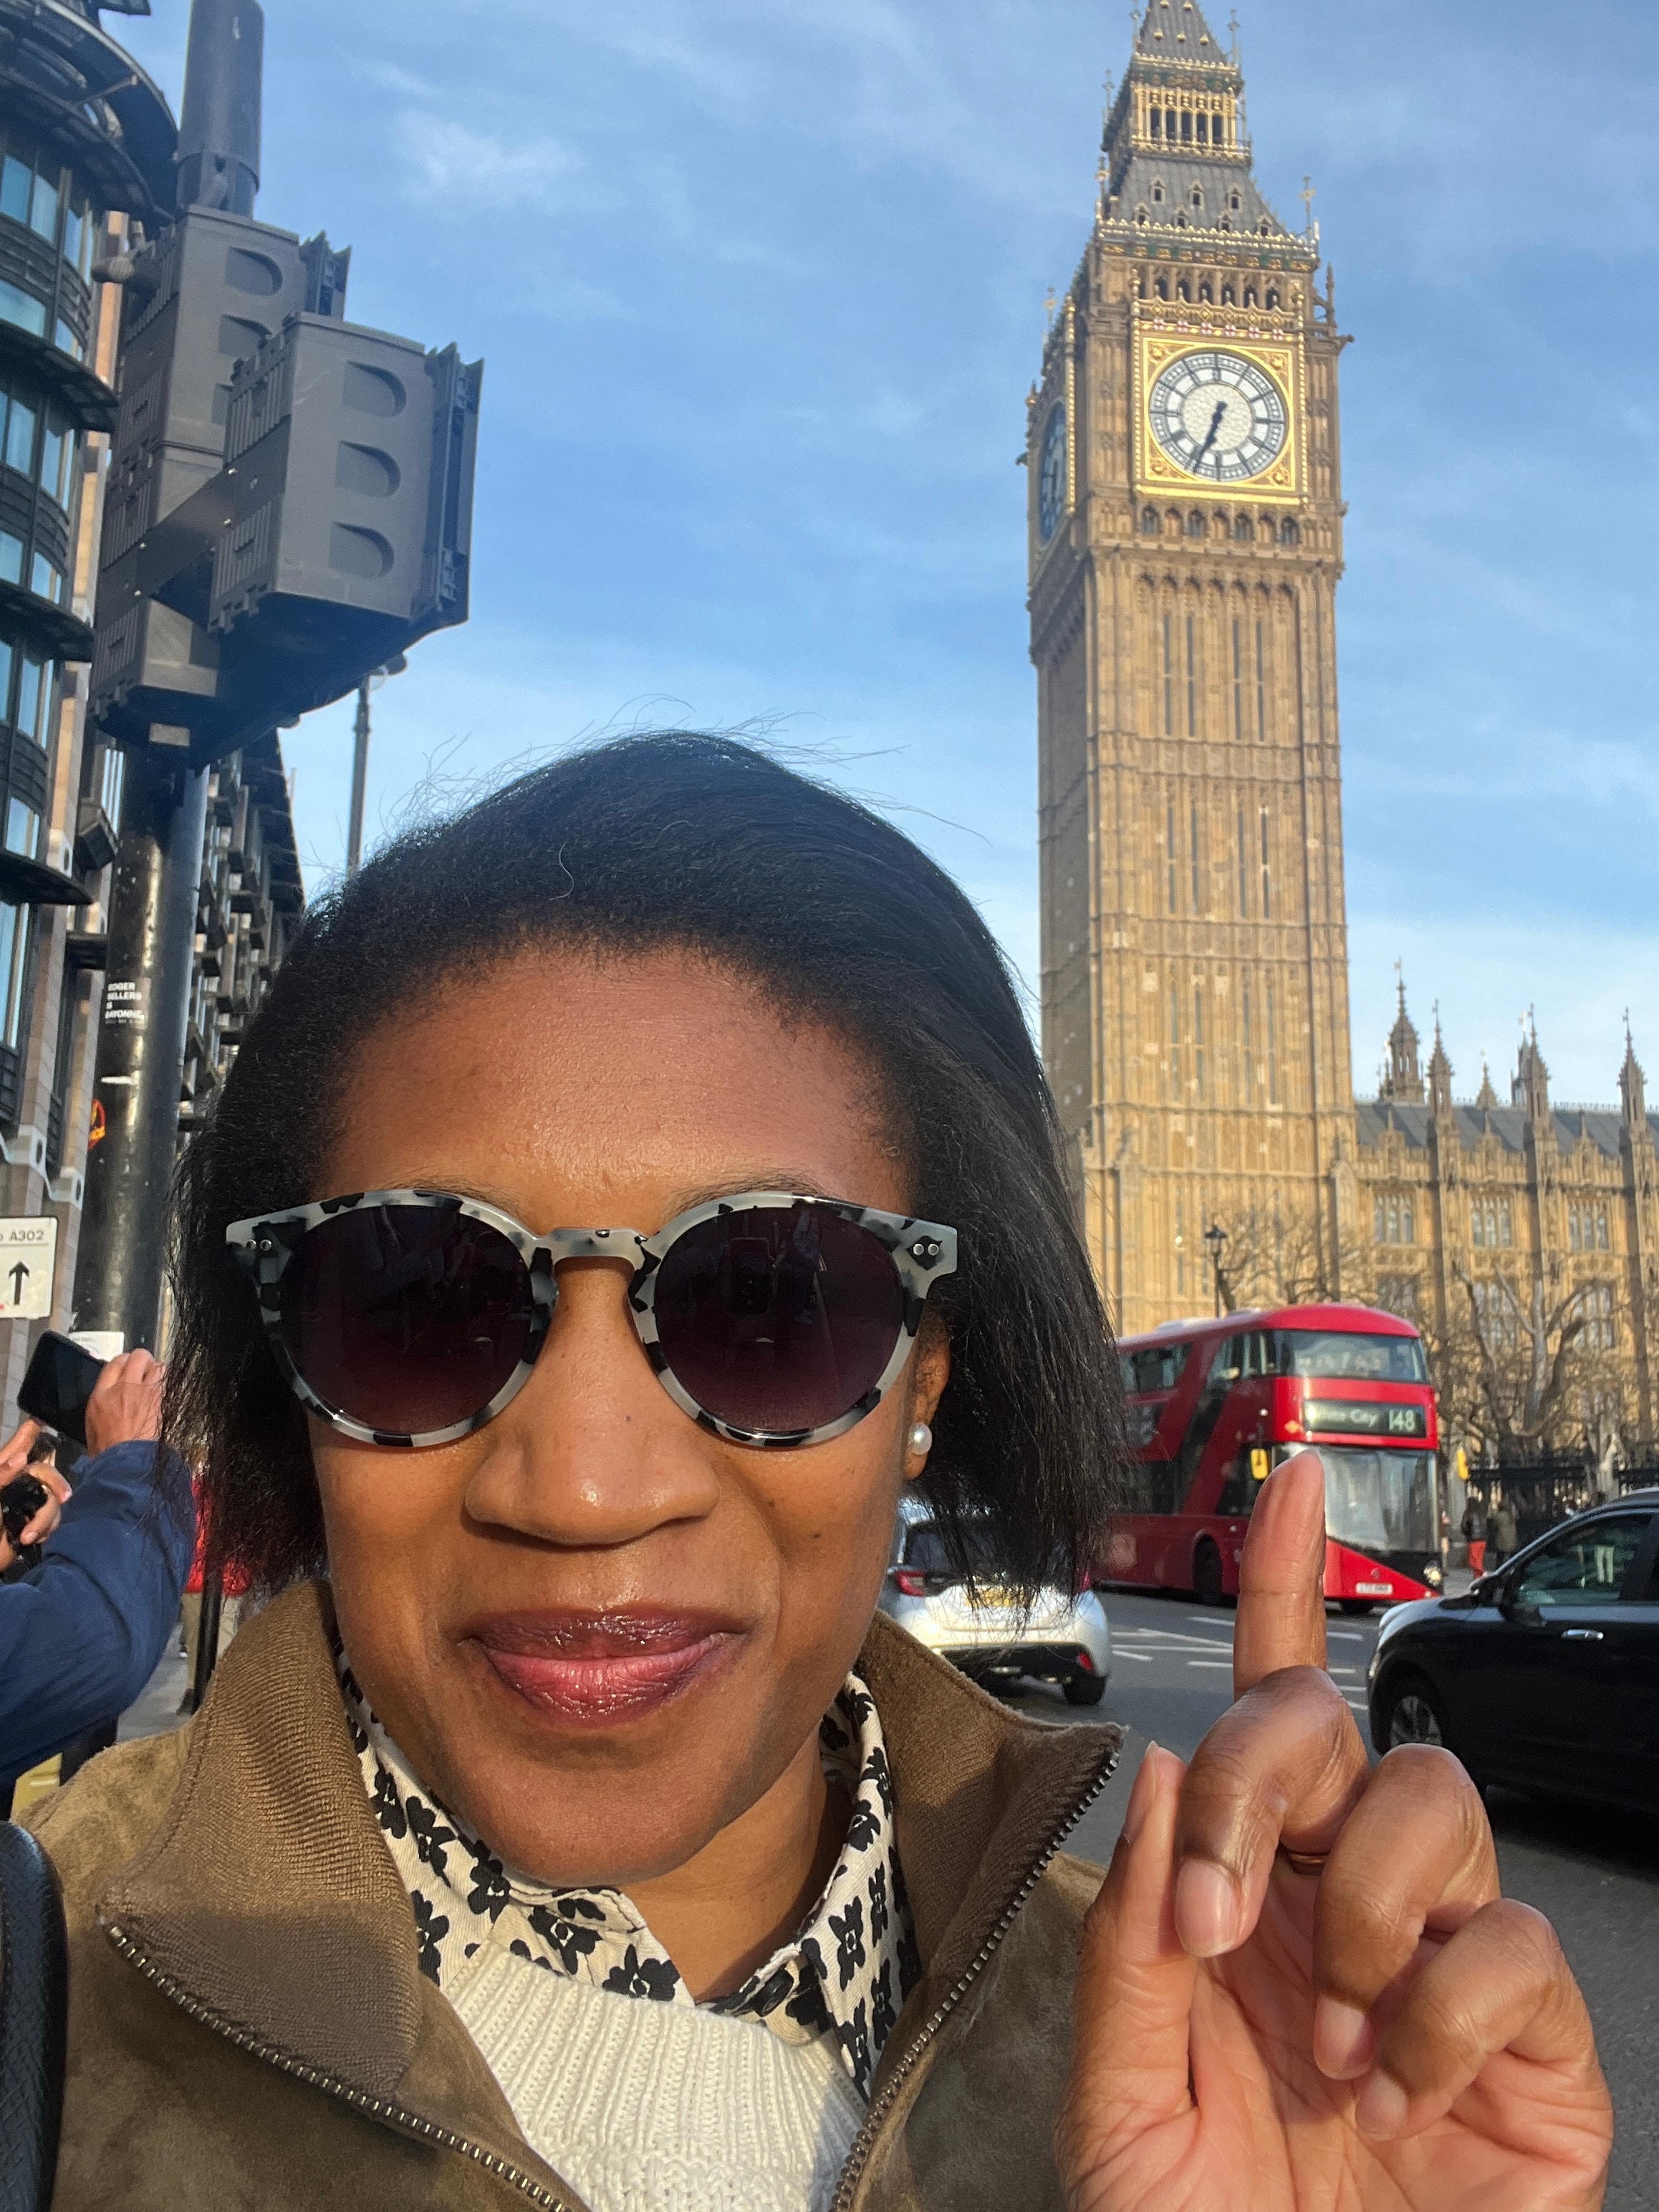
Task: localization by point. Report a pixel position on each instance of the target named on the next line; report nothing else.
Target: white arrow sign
(28, 1255)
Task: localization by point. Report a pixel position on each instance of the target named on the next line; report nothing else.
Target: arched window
(1203, 130)
(1197, 195)
(1249, 296)
(1229, 295)
(1226, 222)
(1143, 215)
(1265, 228)
(1157, 191)
(1163, 287)
(1157, 123)
(1206, 292)
(1149, 522)
(1243, 528)
(1181, 218)
(1194, 524)
(1290, 531)
(1184, 290)
(1234, 202)
(1172, 523)
(1272, 298)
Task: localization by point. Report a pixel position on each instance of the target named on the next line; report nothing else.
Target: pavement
(1595, 1875)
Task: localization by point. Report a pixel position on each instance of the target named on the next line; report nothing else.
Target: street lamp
(1215, 1237)
(372, 682)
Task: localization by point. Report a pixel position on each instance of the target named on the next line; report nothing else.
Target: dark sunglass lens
(406, 1318)
(778, 1319)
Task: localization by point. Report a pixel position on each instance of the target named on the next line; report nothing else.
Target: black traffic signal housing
(291, 497)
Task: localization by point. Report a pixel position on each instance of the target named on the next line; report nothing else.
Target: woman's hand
(1390, 2032)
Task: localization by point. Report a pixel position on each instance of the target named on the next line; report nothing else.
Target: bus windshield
(1380, 1501)
(1341, 1352)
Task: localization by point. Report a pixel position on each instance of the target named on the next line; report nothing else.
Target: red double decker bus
(1215, 1406)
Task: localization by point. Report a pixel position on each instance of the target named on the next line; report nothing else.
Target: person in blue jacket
(82, 1632)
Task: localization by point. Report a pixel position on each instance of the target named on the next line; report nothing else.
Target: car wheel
(1206, 1574)
(1354, 1605)
(1412, 1714)
(1085, 1689)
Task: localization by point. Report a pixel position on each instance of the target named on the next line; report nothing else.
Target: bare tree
(1528, 1367)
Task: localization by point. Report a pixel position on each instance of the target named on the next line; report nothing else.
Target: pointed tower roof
(1487, 1096)
(1174, 155)
(1403, 1080)
(1440, 1071)
(1633, 1084)
(1176, 31)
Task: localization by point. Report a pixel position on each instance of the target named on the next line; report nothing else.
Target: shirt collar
(847, 1972)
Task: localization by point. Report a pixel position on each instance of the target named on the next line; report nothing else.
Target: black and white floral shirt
(847, 1972)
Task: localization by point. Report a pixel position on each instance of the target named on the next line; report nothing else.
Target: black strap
(34, 2007)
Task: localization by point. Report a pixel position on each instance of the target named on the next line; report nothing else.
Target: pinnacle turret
(1402, 1081)
(1632, 1085)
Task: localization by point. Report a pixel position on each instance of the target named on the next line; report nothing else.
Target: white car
(1061, 1637)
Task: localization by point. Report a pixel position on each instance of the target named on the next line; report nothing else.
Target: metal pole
(158, 865)
(141, 1048)
(359, 779)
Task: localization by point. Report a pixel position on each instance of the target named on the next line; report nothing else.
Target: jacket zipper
(863, 2142)
(378, 2108)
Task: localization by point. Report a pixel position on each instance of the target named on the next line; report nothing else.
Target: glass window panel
(14, 947)
(20, 438)
(11, 558)
(1585, 1568)
(1366, 1358)
(43, 215)
(109, 783)
(16, 184)
(22, 829)
(30, 686)
(44, 579)
(66, 342)
(75, 227)
(22, 308)
(1380, 1501)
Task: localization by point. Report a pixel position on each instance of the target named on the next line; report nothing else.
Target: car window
(1587, 1566)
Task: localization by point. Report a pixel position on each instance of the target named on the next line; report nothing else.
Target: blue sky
(760, 291)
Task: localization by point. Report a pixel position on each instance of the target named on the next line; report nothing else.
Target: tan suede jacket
(248, 2026)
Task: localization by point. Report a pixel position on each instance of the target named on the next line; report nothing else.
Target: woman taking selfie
(627, 1190)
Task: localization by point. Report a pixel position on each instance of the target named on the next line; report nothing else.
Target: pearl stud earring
(921, 1438)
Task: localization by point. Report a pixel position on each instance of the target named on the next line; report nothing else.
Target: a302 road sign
(28, 1259)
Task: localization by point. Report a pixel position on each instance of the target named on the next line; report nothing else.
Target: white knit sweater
(648, 2107)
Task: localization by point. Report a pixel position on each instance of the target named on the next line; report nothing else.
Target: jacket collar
(266, 1900)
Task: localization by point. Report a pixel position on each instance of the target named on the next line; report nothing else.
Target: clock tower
(1186, 541)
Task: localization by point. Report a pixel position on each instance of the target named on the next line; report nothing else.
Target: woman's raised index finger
(1281, 1578)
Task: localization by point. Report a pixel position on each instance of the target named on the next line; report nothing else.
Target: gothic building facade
(1185, 535)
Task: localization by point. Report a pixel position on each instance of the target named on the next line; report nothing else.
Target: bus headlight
(1431, 1576)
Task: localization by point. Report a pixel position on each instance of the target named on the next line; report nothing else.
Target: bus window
(1244, 1480)
(1156, 1367)
(1380, 1501)
(1261, 1352)
(1229, 1362)
(1329, 1353)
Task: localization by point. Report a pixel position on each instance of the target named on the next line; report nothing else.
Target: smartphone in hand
(57, 1383)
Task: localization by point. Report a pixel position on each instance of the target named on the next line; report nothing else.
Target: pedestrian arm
(81, 1632)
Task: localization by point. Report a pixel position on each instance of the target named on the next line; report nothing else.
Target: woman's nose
(592, 1451)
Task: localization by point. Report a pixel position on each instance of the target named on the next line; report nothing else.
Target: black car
(1544, 1676)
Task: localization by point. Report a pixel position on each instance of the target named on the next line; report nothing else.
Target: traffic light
(290, 498)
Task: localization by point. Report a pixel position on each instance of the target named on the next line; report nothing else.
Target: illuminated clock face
(1051, 480)
(1218, 416)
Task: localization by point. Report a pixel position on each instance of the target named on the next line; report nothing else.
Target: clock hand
(1216, 422)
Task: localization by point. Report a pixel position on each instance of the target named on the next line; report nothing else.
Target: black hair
(706, 843)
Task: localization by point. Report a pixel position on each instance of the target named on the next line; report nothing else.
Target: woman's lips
(595, 1669)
